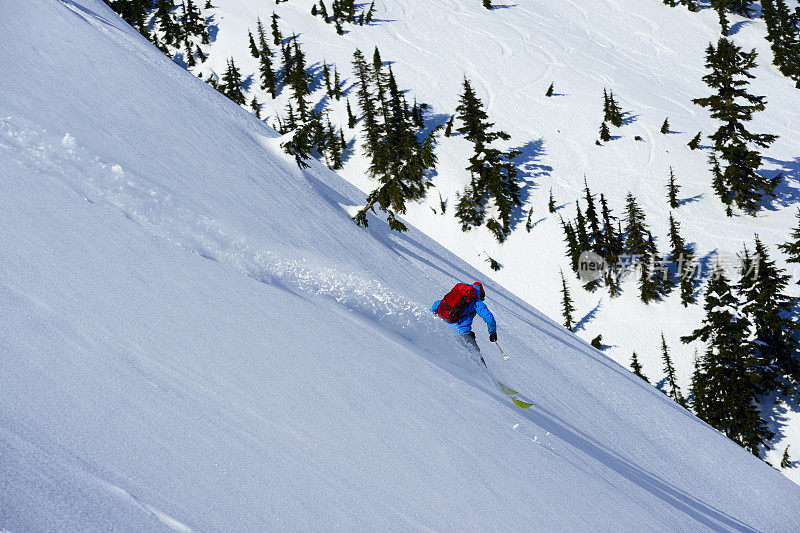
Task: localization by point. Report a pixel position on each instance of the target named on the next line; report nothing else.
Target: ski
(512, 393)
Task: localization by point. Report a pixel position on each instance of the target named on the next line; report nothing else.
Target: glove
(493, 337)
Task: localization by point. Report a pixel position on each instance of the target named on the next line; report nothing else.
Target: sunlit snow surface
(195, 336)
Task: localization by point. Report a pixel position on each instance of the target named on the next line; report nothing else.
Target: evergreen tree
(253, 47)
(605, 134)
(770, 310)
(636, 367)
(351, 119)
(785, 461)
(326, 75)
(323, 11)
(448, 131)
(190, 60)
(551, 204)
(487, 4)
(783, 32)
(291, 122)
(337, 84)
(721, 6)
(299, 80)
(380, 84)
(612, 245)
(595, 233)
(549, 92)
(611, 110)
(232, 83)
(665, 127)
(580, 229)
(256, 107)
(494, 176)
(529, 222)
(366, 101)
(739, 183)
(672, 190)
(494, 265)
(792, 247)
(573, 248)
(567, 307)
(639, 243)
(277, 38)
(671, 381)
(419, 118)
(166, 21)
(407, 183)
(682, 256)
(265, 70)
(370, 13)
(399, 161)
(723, 380)
(695, 142)
(288, 59)
(334, 147)
(302, 142)
(662, 275)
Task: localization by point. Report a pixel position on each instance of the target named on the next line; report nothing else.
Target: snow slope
(195, 335)
(652, 57)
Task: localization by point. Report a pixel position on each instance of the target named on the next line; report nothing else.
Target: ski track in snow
(149, 205)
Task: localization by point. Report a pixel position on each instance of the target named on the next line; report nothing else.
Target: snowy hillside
(651, 56)
(195, 336)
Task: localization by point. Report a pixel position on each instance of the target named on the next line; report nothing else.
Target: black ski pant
(469, 342)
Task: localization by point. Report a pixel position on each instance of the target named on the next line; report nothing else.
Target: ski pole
(505, 357)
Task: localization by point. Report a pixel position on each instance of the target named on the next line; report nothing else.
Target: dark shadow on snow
(588, 317)
(629, 118)
(787, 193)
(529, 168)
(691, 199)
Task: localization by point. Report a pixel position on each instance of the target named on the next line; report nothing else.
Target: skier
(459, 308)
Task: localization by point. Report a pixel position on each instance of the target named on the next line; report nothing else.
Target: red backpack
(453, 304)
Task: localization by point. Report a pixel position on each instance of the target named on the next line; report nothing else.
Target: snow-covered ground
(194, 335)
(651, 56)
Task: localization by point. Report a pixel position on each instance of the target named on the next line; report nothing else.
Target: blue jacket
(464, 324)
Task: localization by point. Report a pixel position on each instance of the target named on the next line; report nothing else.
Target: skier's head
(479, 285)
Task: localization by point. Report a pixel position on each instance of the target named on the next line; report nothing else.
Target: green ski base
(511, 392)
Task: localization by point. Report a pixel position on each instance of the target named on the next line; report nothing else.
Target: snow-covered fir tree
(739, 183)
(724, 380)
(493, 174)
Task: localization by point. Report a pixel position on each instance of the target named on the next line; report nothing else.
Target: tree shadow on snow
(787, 193)
(704, 513)
(529, 168)
(777, 416)
(629, 118)
(734, 28)
(690, 199)
(213, 28)
(588, 317)
(247, 83)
